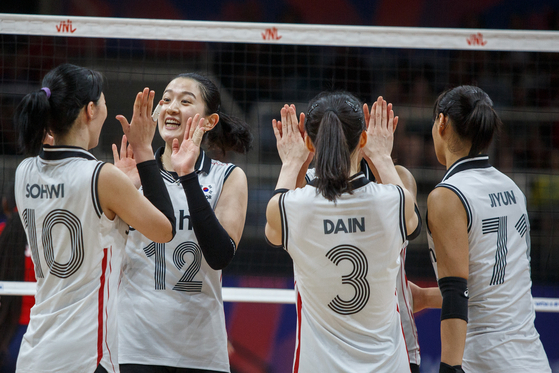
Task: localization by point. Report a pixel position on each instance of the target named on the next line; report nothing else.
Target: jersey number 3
(357, 279)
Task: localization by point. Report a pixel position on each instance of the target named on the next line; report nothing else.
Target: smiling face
(181, 100)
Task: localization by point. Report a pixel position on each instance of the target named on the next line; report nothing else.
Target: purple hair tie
(47, 91)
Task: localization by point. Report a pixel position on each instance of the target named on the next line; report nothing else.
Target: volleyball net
(259, 67)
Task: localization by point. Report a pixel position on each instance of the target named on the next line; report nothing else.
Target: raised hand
(141, 129)
(289, 136)
(126, 162)
(381, 124)
(185, 154)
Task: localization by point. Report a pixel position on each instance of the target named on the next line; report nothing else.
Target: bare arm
(232, 205)
(294, 154)
(425, 297)
(118, 196)
(448, 224)
(380, 138)
(117, 193)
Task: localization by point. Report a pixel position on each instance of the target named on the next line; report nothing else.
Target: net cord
(250, 295)
(281, 33)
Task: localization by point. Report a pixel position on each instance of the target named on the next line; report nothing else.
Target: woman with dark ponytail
(479, 239)
(180, 282)
(344, 234)
(74, 209)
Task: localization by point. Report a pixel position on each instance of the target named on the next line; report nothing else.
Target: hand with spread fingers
(290, 141)
(185, 154)
(381, 124)
(141, 129)
(125, 161)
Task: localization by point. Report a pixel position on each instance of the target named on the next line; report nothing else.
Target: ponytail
(230, 134)
(334, 124)
(55, 107)
(32, 117)
(471, 115)
(332, 160)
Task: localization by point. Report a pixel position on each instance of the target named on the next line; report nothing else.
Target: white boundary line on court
(251, 295)
(281, 33)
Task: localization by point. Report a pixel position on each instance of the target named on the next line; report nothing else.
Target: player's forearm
(425, 297)
(386, 170)
(453, 339)
(288, 176)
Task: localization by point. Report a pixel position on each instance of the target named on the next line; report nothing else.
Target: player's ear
(309, 144)
(362, 139)
(443, 124)
(211, 121)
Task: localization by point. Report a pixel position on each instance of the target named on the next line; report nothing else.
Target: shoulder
(443, 201)
(110, 175)
(235, 183)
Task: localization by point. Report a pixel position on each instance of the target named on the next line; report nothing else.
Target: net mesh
(256, 79)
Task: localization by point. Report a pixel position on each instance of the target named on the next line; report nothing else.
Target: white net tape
(254, 295)
(268, 33)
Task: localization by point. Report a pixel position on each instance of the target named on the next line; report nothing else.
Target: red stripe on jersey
(402, 328)
(299, 322)
(101, 298)
(107, 311)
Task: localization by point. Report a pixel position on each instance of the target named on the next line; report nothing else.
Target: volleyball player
(173, 318)
(344, 235)
(411, 298)
(74, 210)
(479, 230)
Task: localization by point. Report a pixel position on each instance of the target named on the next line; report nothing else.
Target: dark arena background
(261, 66)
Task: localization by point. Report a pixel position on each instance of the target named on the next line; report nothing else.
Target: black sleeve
(218, 248)
(155, 190)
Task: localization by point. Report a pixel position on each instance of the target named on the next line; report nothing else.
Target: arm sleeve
(218, 248)
(155, 190)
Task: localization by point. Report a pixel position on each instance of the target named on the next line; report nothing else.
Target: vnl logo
(271, 34)
(65, 26)
(476, 39)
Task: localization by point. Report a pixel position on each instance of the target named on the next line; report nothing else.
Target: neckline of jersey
(54, 152)
(467, 163)
(203, 163)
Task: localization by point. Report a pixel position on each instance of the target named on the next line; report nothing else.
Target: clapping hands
(381, 124)
(185, 154)
(289, 134)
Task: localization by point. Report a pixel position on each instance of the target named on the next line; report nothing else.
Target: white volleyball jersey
(76, 251)
(346, 258)
(170, 299)
(405, 306)
(501, 336)
(405, 300)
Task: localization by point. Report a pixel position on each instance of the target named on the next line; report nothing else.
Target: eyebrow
(183, 92)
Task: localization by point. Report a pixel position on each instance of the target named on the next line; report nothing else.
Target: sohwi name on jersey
(44, 191)
(351, 226)
(502, 198)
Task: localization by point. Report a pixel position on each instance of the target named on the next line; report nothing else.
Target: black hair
(334, 123)
(68, 89)
(471, 114)
(230, 133)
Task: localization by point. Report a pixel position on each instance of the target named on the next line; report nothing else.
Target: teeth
(172, 122)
